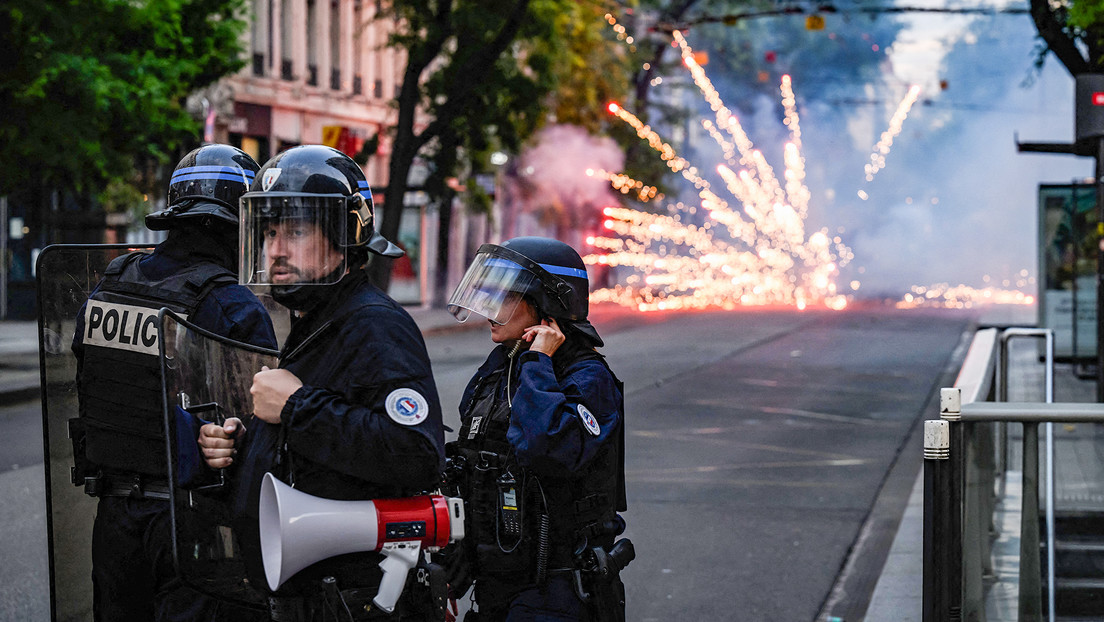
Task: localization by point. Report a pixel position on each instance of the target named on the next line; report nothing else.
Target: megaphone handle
(398, 559)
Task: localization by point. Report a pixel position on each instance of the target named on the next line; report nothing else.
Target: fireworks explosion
(750, 246)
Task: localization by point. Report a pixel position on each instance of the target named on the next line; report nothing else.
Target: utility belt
(97, 448)
(135, 486)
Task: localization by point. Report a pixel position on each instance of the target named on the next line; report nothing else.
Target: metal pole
(5, 224)
(1073, 273)
(966, 438)
(1030, 605)
(950, 410)
(4, 267)
(1050, 476)
(1099, 271)
(1002, 426)
(937, 512)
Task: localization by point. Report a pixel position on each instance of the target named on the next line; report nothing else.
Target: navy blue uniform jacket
(351, 352)
(547, 429)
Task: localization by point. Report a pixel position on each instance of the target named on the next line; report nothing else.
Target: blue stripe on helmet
(564, 271)
(194, 170)
(365, 191)
(236, 176)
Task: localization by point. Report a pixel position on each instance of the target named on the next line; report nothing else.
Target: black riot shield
(206, 379)
(65, 276)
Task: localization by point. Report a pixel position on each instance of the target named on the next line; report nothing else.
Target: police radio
(509, 506)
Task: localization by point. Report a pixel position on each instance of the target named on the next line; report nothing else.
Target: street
(759, 443)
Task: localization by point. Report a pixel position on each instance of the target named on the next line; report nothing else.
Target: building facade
(318, 71)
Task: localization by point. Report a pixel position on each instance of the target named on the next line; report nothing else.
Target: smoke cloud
(555, 185)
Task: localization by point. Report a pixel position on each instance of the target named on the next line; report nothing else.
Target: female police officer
(539, 456)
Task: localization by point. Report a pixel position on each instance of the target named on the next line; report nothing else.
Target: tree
(93, 90)
(1074, 33)
(483, 75)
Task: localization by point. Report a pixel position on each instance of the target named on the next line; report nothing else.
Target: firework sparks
(685, 260)
(625, 185)
(753, 250)
(944, 295)
(881, 150)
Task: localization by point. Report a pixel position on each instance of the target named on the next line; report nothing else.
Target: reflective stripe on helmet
(364, 190)
(224, 173)
(564, 271)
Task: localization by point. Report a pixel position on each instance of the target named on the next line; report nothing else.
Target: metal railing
(965, 470)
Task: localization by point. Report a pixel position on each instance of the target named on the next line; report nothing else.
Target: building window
(335, 45)
(312, 43)
(377, 89)
(286, 40)
(259, 35)
(359, 29)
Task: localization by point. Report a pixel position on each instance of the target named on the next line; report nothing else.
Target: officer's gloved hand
(218, 442)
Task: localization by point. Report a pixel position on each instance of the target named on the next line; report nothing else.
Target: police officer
(192, 272)
(352, 411)
(539, 456)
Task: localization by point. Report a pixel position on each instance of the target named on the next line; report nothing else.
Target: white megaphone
(298, 529)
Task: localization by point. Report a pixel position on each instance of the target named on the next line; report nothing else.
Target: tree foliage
(91, 88)
(1073, 31)
(483, 75)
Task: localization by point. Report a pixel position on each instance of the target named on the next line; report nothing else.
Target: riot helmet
(206, 184)
(547, 272)
(306, 220)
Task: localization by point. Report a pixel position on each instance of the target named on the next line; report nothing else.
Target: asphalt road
(759, 445)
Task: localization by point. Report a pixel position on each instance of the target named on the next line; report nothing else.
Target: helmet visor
(491, 287)
(292, 238)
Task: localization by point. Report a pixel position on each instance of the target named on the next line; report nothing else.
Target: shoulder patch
(406, 406)
(589, 422)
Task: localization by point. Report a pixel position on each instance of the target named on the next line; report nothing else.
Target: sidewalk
(19, 371)
(898, 594)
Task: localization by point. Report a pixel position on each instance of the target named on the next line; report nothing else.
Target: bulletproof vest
(576, 506)
(120, 380)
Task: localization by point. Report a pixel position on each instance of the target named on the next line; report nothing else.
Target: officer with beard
(352, 411)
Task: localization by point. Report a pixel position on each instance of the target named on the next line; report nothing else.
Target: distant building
(318, 71)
